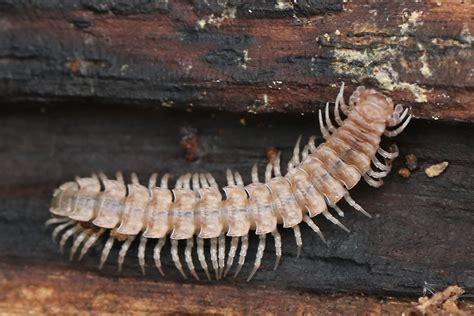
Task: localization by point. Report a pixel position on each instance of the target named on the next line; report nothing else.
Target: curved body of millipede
(317, 178)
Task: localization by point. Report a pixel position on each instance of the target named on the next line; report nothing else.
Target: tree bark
(238, 56)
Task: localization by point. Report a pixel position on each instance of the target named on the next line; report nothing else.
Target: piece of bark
(272, 56)
(418, 233)
(35, 289)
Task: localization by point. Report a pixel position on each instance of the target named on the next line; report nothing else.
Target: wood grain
(252, 56)
(37, 290)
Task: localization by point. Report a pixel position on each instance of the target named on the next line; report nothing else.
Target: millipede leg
(164, 181)
(238, 179)
(388, 155)
(400, 129)
(55, 220)
(119, 177)
(179, 183)
(377, 174)
(403, 115)
(203, 180)
(335, 221)
(331, 127)
(278, 252)
(380, 165)
(157, 254)
(134, 178)
(295, 159)
(102, 177)
(230, 178)
(337, 115)
(337, 209)
(232, 250)
(323, 129)
(106, 251)
(141, 253)
(353, 203)
(77, 242)
(152, 181)
(398, 116)
(305, 152)
(268, 172)
(60, 228)
(188, 257)
(212, 181)
(175, 257)
(71, 231)
(187, 181)
(92, 239)
(243, 253)
(215, 264)
(312, 144)
(202, 257)
(340, 100)
(259, 256)
(276, 165)
(299, 240)
(314, 227)
(123, 251)
(372, 182)
(254, 173)
(221, 254)
(195, 182)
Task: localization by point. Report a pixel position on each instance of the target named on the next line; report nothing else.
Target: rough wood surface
(244, 56)
(37, 290)
(421, 230)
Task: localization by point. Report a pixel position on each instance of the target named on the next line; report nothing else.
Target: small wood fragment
(441, 303)
(272, 153)
(190, 143)
(411, 161)
(404, 172)
(437, 169)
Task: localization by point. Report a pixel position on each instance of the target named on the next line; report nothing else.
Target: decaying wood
(243, 56)
(419, 233)
(39, 290)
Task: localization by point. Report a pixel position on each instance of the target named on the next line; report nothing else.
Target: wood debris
(441, 303)
(437, 169)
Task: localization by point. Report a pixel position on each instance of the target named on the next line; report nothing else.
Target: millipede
(197, 210)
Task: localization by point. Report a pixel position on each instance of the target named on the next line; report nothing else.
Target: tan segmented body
(317, 179)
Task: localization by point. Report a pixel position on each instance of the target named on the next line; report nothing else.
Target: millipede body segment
(197, 210)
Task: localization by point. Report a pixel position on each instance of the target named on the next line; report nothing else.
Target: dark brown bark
(47, 290)
(238, 56)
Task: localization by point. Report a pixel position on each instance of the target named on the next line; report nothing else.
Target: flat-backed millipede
(317, 177)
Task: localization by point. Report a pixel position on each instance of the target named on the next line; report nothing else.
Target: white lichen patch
(245, 58)
(167, 103)
(265, 100)
(375, 64)
(425, 67)
(466, 34)
(227, 14)
(284, 5)
(410, 21)
(201, 23)
(187, 66)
